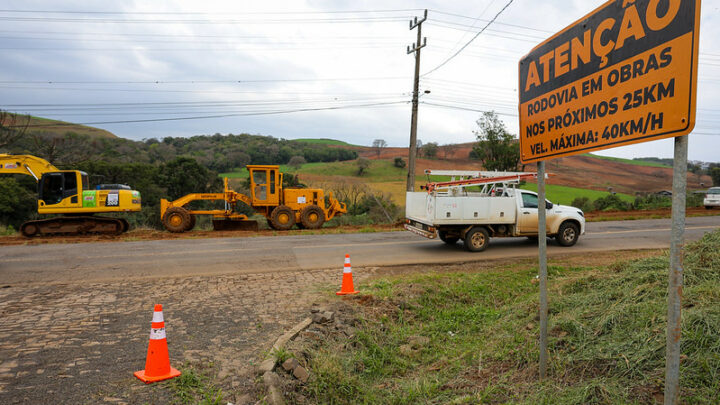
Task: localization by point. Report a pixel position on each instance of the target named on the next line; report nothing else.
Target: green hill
(323, 141)
(60, 128)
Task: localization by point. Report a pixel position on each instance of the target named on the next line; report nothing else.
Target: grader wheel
(176, 219)
(191, 223)
(312, 217)
(282, 218)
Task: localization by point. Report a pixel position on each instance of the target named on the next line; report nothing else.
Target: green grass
(606, 336)
(194, 387)
(382, 171)
(628, 161)
(378, 172)
(323, 141)
(565, 195)
(60, 128)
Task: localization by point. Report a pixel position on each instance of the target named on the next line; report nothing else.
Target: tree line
(159, 168)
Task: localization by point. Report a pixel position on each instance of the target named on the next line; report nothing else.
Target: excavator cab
(62, 188)
(265, 185)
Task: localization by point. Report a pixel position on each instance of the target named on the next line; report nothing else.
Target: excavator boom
(25, 164)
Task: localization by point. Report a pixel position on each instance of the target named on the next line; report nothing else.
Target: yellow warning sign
(625, 73)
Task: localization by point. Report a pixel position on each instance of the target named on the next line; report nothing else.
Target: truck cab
(556, 214)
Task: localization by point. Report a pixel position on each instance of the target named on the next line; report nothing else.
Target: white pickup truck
(452, 212)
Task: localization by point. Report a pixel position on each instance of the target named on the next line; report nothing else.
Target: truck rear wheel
(282, 217)
(176, 219)
(312, 217)
(450, 240)
(568, 234)
(477, 239)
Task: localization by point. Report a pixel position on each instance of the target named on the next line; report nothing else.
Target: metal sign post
(542, 253)
(675, 278)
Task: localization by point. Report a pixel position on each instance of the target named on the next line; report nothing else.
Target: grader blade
(234, 225)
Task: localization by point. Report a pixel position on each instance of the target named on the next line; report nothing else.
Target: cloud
(176, 59)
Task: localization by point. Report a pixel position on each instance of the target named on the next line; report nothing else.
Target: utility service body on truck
(493, 208)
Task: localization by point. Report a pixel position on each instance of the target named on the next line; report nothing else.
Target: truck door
(528, 214)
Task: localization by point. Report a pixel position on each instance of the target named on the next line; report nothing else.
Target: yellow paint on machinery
(68, 192)
(283, 207)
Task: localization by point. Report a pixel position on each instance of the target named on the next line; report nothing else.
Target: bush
(652, 201)
(296, 162)
(399, 162)
(362, 165)
(583, 203)
(694, 200)
(611, 202)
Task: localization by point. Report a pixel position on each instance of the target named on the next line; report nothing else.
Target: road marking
(364, 244)
(650, 230)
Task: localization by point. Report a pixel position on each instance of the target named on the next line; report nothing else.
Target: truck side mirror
(548, 205)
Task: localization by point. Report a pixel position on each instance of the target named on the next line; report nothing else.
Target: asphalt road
(62, 263)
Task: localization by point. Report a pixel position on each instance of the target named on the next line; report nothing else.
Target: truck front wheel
(568, 234)
(450, 240)
(477, 239)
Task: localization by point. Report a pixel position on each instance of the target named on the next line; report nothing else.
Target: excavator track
(74, 225)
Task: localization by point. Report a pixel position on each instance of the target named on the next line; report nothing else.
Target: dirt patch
(576, 171)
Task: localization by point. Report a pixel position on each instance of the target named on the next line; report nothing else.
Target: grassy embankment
(628, 161)
(607, 336)
(324, 141)
(383, 176)
(565, 195)
(60, 128)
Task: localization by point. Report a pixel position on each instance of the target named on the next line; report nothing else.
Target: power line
(239, 81)
(219, 115)
(459, 41)
(206, 49)
(496, 22)
(206, 13)
(472, 39)
(345, 20)
(464, 108)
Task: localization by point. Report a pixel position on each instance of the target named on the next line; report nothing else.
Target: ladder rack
(459, 184)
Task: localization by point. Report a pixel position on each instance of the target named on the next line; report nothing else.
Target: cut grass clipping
(473, 338)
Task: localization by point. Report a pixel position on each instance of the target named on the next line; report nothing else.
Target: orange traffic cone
(157, 364)
(347, 281)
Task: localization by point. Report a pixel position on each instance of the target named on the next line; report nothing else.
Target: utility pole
(416, 85)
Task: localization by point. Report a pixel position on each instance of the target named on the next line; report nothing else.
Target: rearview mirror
(548, 205)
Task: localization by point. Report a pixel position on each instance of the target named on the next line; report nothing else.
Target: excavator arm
(25, 164)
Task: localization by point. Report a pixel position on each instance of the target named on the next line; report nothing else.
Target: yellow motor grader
(283, 207)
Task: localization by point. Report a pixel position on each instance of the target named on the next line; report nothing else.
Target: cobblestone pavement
(80, 343)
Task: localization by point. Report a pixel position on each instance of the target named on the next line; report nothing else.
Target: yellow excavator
(68, 193)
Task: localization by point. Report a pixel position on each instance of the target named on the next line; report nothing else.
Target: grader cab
(282, 207)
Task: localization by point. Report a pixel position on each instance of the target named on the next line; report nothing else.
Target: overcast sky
(295, 69)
